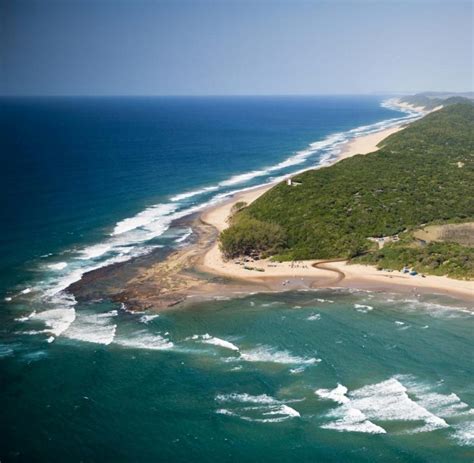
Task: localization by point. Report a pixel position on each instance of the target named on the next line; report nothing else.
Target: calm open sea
(314, 376)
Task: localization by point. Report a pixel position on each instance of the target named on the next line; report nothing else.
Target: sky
(231, 47)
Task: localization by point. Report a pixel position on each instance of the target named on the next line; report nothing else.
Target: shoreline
(344, 275)
(359, 145)
(198, 272)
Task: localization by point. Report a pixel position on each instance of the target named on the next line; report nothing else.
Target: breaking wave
(93, 328)
(399, 399)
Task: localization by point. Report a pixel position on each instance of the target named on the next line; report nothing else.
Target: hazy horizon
(229, 95)
(234, 48)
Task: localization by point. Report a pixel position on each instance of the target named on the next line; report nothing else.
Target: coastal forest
(368, 208)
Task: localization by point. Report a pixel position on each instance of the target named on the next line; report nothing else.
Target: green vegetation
(421, 175)
(252, 237)
(237, 207)
(451, 259)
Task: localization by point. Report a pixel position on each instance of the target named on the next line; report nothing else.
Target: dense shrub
(449, 259)
(249, 236)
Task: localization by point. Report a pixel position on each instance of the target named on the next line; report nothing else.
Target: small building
(290, 182)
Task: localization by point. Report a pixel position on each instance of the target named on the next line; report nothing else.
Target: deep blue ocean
(318, 376)
(76, 170)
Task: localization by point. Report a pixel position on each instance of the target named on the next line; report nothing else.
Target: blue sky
(200, 47)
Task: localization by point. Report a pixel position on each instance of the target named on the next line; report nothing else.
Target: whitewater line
(129, 235)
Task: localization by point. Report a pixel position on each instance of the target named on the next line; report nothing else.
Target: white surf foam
(434, 309)
(444, 405)
(56, 320)
(351, 420)
(184, 237)
(284, 410)
(97, 250)
(464, 433)
(191, 194)
(297, 370)
(144, 340)
(337, 394)
(380, 402)
(247, 398)
(149, 215)
(260, 408)
(243, 178)
(148, 318)
(329, 143)
(269, 354)
(388, 401)
(58, 266)
(53, 289)
(25, 317)
(208, 339)
(363, 308)
(313, 317)
(93, 328)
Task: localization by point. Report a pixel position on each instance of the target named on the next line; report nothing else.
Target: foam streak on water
(255, 408)
(93, 328)
(144, 340)
(207, 339)
(267, 354)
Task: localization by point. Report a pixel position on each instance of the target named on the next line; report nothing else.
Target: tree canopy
(422, 174)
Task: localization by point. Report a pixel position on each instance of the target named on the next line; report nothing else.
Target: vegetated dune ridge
(425, 174)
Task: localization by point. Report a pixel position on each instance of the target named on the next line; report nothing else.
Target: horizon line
(220, 95)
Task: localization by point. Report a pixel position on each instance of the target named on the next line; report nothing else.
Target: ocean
(314, 376)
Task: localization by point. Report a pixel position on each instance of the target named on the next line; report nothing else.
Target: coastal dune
(316, 273)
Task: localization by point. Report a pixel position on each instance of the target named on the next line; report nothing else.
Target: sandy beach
(314, 273)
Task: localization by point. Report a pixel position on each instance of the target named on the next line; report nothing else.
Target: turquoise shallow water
(307, 376)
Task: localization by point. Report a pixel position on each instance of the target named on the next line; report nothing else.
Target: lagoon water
(308, 376)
